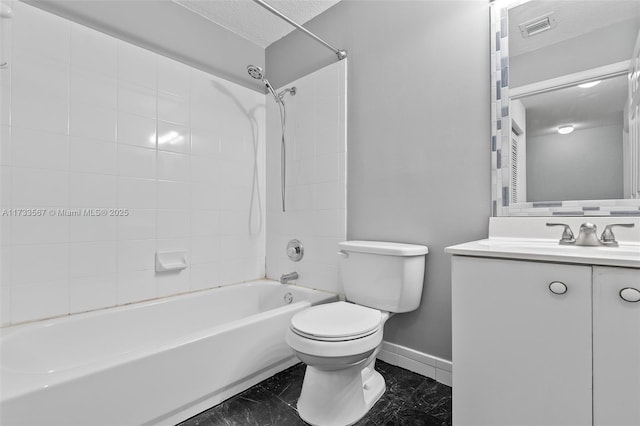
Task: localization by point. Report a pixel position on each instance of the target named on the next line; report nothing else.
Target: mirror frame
(500, 135)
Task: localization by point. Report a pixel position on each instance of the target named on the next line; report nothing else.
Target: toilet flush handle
(343, 253)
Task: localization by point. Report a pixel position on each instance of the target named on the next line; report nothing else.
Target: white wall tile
(134, 161)
(205, 142)
(136, 130)
(173, 109)
(173, 77)
(91, 259)
(92, 228)
(173, 223)
(39, 263)
(5, 305)
(136, 99)
(92, 156)
(38, 301)
(172, 166)
(173, 195)
(91, 88)
(138, 225)
(90, 293)
(205, 275)
(90, 191)
(40, 34)
(134, 193)
(88, 121)
(86, 113)
(93, 51)
(173, 137)
(39, 188)
(204, 223)
(170, 283)
(39, 95)
(205, 249)
(5, 144)
(40, 229)
(137, 65)
(136, 255)
(33, 148)
(136, 286)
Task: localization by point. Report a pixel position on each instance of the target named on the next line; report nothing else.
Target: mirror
(564, 123)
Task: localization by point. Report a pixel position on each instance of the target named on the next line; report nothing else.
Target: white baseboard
(418, 362)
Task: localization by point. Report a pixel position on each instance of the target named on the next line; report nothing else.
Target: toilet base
(339, 397)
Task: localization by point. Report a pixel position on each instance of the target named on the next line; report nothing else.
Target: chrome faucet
(588, 235)
(285, 278)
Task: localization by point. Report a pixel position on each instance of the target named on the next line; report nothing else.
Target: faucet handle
(607, 238)
(567, 234)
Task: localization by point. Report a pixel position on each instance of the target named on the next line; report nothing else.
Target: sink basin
(626, 255)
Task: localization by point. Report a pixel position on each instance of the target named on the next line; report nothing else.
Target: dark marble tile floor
(410, 399)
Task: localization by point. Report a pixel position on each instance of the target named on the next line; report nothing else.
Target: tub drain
(288, 298)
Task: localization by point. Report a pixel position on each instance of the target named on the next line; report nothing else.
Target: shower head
(255, 72)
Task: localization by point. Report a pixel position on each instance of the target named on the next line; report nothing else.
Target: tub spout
(285, 278)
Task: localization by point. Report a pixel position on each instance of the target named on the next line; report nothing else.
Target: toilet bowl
(339, 341)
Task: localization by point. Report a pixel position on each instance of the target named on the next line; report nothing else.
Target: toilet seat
(336, 322)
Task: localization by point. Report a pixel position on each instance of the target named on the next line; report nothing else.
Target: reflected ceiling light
(565, 130)
(589, 84)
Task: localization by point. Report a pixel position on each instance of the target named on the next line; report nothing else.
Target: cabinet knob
(630, 294)
(558, 287)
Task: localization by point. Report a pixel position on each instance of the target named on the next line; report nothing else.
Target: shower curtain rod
(340, 53)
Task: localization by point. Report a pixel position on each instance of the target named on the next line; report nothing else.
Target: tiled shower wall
(315, 178)
(91, 122)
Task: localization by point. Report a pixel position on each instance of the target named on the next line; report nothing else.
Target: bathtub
(157, 362)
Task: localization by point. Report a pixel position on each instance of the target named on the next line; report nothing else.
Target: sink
(626, 255)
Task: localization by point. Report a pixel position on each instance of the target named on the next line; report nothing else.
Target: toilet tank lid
(383, 248)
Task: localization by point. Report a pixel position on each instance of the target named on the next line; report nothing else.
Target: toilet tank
(381, 275)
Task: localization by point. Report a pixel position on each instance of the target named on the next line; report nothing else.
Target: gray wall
(418, 133)
(583, 165)
(174, 32)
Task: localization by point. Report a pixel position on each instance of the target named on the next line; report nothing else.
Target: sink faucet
(285, 278)
(588, 236)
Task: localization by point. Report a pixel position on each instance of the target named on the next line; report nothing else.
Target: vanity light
(589, 84)
(565, 130)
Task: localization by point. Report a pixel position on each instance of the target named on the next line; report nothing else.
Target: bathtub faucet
(285, 278)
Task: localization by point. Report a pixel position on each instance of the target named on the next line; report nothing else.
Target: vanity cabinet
(616, 347)
(538, 343)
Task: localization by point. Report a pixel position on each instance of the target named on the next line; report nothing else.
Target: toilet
(339, 341)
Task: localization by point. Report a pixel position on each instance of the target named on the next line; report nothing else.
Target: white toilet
(339, 341)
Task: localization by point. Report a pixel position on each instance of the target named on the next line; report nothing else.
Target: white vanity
(543, 333)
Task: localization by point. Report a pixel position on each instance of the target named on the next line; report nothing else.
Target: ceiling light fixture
(589, 84)
(565, 130)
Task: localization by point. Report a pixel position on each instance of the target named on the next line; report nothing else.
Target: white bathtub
(156, 362)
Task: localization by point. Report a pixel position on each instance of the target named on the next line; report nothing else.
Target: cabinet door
(616, 348)
(521, 353)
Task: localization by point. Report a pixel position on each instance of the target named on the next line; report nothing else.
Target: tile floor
(410, 399)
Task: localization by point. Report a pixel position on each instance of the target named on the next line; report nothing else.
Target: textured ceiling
(253, 22)
(598, 106)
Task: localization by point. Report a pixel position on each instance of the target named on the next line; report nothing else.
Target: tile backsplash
(166, 156)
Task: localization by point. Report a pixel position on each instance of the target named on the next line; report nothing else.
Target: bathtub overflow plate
(288, 298)
(295, 251)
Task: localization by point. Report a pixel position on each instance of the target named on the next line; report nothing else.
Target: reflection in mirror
(572, 135)
(562, 107)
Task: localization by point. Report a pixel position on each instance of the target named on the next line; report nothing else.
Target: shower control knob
(295, 251)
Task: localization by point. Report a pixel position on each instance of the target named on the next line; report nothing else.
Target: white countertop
(627, 255)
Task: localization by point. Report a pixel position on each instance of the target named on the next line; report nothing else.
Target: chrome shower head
(255, 72)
